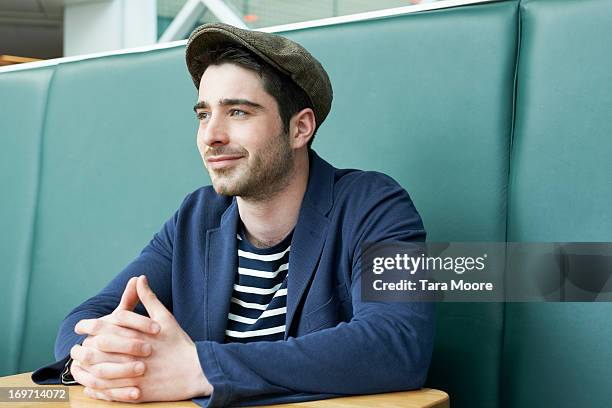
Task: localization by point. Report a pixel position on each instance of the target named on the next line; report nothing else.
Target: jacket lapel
(306, 246)
(309, 235)
(220, 257)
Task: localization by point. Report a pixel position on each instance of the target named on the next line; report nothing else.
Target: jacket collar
(319, 191)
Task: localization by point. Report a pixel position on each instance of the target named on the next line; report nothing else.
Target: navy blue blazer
(334, 344)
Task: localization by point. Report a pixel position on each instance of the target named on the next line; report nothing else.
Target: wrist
(200, 385)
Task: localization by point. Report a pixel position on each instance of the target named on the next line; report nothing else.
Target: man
(251, 291)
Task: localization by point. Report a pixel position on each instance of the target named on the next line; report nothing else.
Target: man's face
(240, 137)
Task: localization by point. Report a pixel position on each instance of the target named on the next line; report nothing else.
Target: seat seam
(27, 281)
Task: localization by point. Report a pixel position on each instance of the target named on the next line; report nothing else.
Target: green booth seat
(23, 104)
(560, 354)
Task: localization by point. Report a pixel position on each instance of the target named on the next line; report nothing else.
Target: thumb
(129, 299)
(155, 308)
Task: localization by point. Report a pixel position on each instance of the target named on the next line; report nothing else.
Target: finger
(113, 371)
(95, 327)
(90, 355)
(155, 308)
(129, 299)
(88, 341)
(87, 379)
(87, 326)
(96, 394)
(115, 344)
(125, 394)
(135, 321)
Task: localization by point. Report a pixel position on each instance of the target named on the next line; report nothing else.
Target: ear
(301, 128)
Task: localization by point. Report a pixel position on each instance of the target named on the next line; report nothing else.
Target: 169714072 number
(33, 394)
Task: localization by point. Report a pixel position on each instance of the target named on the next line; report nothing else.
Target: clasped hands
(128, 357)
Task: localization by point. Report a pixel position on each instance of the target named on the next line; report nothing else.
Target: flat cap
(284, 55)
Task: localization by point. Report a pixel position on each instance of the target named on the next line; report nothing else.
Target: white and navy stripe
(258, 306)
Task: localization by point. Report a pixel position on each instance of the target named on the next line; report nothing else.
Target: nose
(213, 132)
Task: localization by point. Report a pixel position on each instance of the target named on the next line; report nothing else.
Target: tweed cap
(281, 53)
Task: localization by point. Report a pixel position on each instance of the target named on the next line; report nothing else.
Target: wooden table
(423, 398)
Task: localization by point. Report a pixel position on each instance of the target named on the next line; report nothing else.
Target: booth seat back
(23, 103)
(560, 354)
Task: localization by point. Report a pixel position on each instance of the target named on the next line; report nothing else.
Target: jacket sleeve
(384, 347)
(155, 261)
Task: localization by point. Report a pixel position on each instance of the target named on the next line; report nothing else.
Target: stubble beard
(268, 173)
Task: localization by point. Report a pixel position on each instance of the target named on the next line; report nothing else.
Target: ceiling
(33, 28)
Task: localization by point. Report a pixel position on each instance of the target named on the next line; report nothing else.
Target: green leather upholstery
(23, 102)
(559, 355)
(97, 153)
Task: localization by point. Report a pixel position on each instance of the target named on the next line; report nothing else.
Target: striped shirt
(258, 305)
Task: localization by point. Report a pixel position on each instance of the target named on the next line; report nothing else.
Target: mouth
(220, 162)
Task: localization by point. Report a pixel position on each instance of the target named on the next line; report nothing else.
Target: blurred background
(31, 30)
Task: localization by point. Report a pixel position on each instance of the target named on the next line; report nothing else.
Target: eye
(237, 112)
(202, 115)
